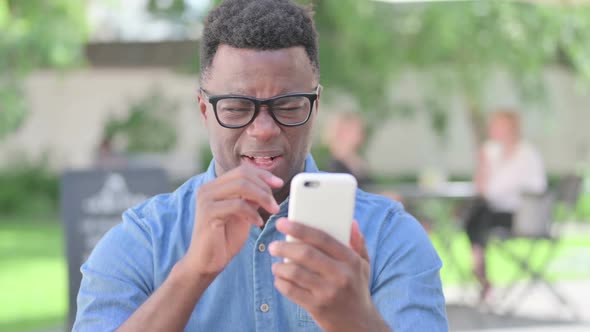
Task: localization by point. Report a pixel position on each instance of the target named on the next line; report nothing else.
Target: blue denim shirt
(135, 257)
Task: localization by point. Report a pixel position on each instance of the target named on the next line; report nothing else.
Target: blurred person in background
(507, 166)
(344, 137)
(107, 157)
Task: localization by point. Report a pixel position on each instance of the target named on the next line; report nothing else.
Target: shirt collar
(310, 165)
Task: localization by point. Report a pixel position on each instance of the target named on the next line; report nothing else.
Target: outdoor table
(456, 192)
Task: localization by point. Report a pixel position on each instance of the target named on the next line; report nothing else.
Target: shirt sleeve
(116, 279)
(407, 289)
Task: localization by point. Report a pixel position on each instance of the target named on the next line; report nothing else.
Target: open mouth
(261, 161)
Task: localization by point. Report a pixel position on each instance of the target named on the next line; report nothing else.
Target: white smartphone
(324, 201)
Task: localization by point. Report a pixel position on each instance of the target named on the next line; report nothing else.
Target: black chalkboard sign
(92, 202)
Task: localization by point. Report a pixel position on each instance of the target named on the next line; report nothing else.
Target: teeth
(261, 158)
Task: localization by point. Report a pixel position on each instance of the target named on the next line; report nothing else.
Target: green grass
(567, 264)
(33, 274)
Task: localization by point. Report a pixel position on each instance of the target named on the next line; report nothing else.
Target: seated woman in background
(507, 167)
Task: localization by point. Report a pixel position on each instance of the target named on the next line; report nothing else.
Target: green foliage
(582, 212)
(12, 106)
(35, 33)
(454, 47)
(321, 156)
(205, 156)
(582, 208)
(148, 127)
(29, 189)
(356, 52)
(458, 46)
(174, 8)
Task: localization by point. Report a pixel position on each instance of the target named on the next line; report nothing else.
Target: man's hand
(327, 278)
(226, 208)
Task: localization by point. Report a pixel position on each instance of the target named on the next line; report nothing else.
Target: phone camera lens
(311, 184)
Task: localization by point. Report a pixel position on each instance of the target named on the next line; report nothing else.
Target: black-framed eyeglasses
(289, 110)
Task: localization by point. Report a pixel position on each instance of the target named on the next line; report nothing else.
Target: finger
(357, 241)
(267, 177)
(249, 173)
(297, 294)
(305, 255)
(262, 178)
(272, 180)
(298, 275)
(316, 238)
(235, 209)
(248, 189)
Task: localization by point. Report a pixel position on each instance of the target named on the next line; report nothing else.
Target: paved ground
(539, 311)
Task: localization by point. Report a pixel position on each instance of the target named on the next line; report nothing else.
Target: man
(210, 256)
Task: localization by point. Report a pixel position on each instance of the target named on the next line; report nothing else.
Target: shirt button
(261, 247)
(264, 307)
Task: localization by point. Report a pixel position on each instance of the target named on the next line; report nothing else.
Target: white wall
(68, 111)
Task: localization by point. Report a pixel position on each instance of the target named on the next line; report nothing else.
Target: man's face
(263, 143)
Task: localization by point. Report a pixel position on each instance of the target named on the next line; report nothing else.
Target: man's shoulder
(368, 201)
(380, 216)
(377, 209)
(168, 205)
(153, 228)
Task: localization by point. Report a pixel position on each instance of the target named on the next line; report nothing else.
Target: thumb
(357, 241)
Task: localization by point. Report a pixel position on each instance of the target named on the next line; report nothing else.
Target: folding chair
(533, 222)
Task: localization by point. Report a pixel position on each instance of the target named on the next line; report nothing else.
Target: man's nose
(264, 127)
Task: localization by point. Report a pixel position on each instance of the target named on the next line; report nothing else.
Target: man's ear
(202, 107)
(317, 101)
